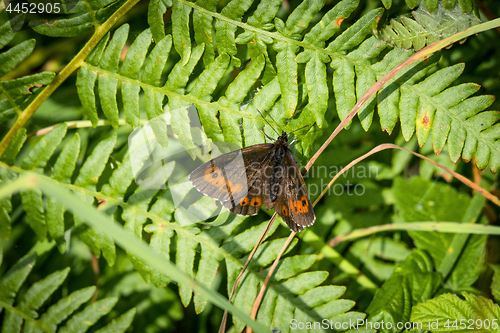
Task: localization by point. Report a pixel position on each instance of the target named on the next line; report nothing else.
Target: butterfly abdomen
(277, 175)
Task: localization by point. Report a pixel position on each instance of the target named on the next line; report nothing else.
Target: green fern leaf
(36, 160)
(355, 72)
(38, 156)
(176, 82)
(89, 174)
(8, 27)
(87, 178)
(62, 172)
(160, 240)
(429, 26)
(14, 278)
(62, 309)
(180, 30)
(77, 20)
(465, 5)
(156, 10)
(34, 297)
(15, 145)
(235, 95)
(15, 55)
(6, 176)
(185, 261)
(134, 222)
(108, 85)
(80, 322)
(257, 43)
(452, 314)
(86, 80)
(15, 94)
(203, 29)
(205, 85)
(37, 295)
(207, 271)
(426, 107)
(225, 30)
(120, 324)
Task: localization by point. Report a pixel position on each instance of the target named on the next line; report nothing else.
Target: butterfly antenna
(298, 129)
(267, 136)
(267, 122)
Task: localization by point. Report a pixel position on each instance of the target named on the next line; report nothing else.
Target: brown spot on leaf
(35, 85)
(339, 21)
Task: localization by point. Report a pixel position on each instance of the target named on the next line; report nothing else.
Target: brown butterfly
(263, 174)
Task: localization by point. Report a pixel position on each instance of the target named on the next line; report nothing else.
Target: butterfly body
(263, 174)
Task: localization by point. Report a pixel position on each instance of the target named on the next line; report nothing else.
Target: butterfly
(264, 174)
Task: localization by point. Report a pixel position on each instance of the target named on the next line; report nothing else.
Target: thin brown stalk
(222, 327)
(257, 301)
(384, 146)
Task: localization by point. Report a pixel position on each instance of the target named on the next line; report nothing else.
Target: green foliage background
(67, 265)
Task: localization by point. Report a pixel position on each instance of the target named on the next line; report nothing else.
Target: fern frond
(76, 18)
(30, 301)
(449, 313)
(427, 27)
(356, 62)
(51, 217)
(422, 107)
(355, 71)
(6, 176)
(465, 5)
(36, 160)
(16, 94)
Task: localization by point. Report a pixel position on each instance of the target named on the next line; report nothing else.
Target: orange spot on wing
(213, 176)
(256, 202)
(299, 206)
(304, 204)
(284, 211)
(245, 201)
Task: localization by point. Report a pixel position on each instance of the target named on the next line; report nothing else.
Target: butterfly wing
(258, 192)
(293, 203)
(229, 177)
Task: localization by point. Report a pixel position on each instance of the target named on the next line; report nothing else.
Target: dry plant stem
(257, 301)
(384, 146)
(95, 268)
(222, 327)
